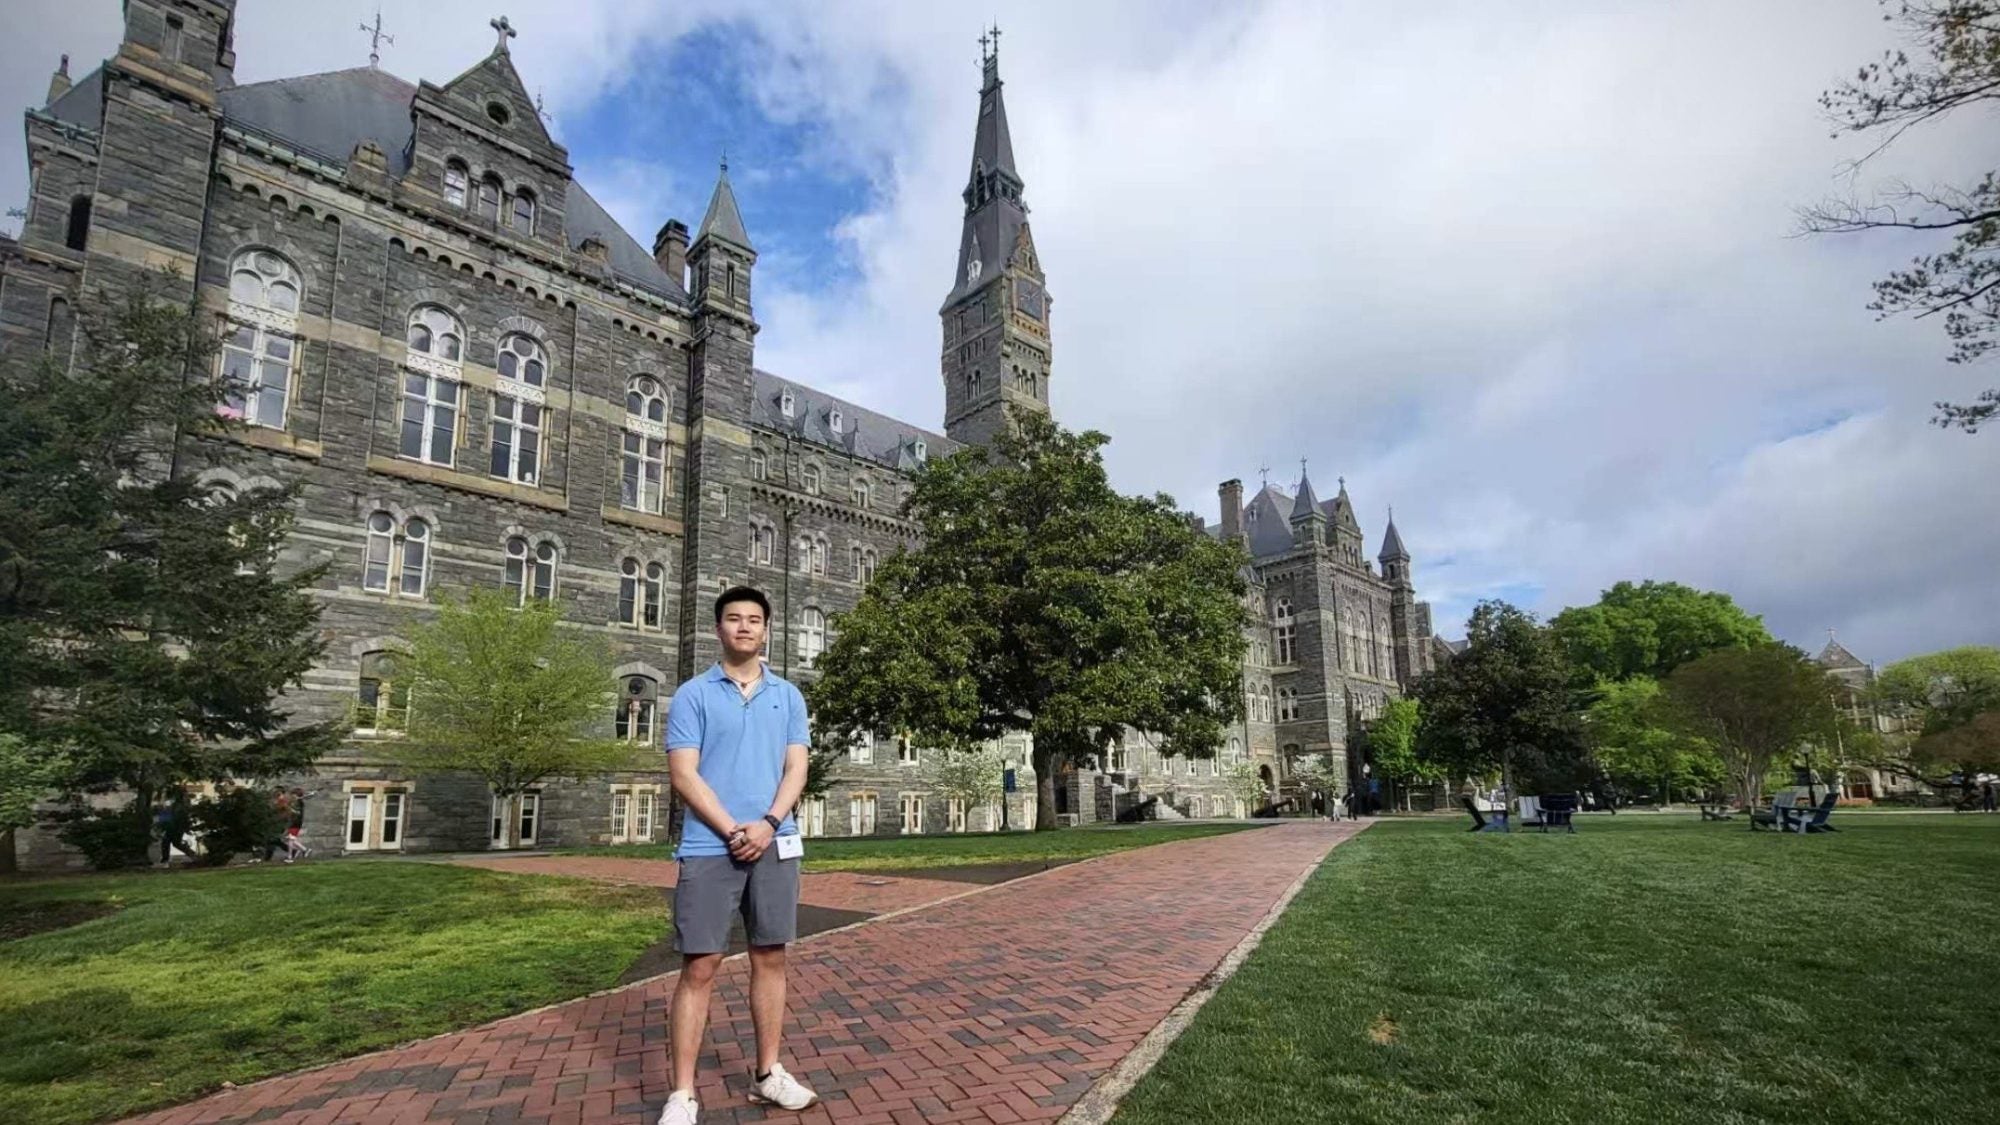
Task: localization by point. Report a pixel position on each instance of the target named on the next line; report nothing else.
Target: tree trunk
(1045, 788)
(8, 864)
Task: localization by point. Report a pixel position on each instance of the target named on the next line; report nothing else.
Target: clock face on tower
(1028, 298)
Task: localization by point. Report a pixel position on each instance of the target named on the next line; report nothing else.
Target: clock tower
(996, 318)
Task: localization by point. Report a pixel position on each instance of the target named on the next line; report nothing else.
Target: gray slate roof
(330, 113)
(1306, 500)
(83, 103)
(723, 220)
(1392, 544)
(1836, 656)
(864, 433)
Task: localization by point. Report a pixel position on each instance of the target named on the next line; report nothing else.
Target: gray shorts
(713, 887)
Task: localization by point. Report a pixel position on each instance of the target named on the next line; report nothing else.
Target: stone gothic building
(482, 380)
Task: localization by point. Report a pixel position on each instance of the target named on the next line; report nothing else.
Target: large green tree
(1042, 601)
(1391, 744)
(1952, 63)
(147, 629)
(1635, 747)
(1952, 701)
(1502, 705)
(1754, 707)
(508, 693)
(1649, 629)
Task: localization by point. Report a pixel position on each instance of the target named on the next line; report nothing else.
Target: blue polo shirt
(742, 744)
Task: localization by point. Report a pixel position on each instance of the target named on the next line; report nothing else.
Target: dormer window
(920, 450)
(785, 404)
(833, 421)
(457, 179)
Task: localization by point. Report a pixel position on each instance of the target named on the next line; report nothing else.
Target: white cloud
(1523, 271)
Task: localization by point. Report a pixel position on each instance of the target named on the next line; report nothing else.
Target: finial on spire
(377, 37)
(989, 46)
(1343, 483)
(1264, 475)
(1302, 468)
(62, 67)
(504, 29)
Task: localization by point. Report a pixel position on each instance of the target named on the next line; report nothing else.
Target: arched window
(1235, 750)
(489, 198)
(1281, 614)
(397, 559)
(644, 481)
(531, 570)
(60, 326)
(812, 636)
(638, 714)
(759, 467)
(430, 385)
(78, 233)
(864, 563)
(523, 219)
(1288, 705)
(436, 333)
(517, 410)
(262, 341)
(641, 590)
(382, 702)
(861, 492)
(456, 180)
(810, 476)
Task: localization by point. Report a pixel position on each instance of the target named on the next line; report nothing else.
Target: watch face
(1028, 298)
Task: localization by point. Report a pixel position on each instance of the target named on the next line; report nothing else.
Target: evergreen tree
(147, 629)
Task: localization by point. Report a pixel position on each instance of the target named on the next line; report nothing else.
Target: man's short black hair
(742, 594)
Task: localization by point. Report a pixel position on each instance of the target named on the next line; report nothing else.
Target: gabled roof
(865, 434)
(1836, 656)
(495, 74)
(328, 114)
(1267, 520)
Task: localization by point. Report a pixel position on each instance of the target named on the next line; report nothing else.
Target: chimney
(670, 249)
(1230, 493)
(59, 82)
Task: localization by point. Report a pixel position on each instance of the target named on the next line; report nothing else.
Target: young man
(736, 751)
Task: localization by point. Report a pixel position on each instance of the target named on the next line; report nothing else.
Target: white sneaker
(681, 1109)
(780, 1089)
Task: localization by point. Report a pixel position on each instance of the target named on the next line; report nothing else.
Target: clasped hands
(748, 841)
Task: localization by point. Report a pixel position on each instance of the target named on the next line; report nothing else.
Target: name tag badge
(791, 847)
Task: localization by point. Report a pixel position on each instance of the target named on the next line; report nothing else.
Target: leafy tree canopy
(1754, 707)
(1502, 705)
(1651, 628)
(1041, 600)
(510, 694)
(1953, 697)
(1953, 64)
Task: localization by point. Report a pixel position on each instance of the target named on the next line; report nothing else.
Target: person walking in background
(294, 847)
(1987, 802)
(281, 801)
(172, 820)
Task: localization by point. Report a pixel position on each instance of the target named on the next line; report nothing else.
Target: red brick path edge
(1002, 1005)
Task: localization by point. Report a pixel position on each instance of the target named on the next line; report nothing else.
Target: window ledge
(665, 525)
(466, 482)
(277, 441)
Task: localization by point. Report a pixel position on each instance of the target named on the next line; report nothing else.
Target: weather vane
(377, 37)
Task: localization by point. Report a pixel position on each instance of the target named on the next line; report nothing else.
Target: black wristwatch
(774, 822)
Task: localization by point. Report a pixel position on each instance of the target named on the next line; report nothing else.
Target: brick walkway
(865, 891)
(999, 1007)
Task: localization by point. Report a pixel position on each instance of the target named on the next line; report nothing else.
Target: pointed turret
(994, 206)
(721, 258)
(58, 82)
(1392, 545)
(723, 220)
(1308, 520)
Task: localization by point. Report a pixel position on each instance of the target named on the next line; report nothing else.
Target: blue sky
(1533, 279)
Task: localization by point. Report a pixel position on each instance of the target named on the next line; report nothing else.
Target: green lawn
(204, 977)
(1646, 969)
(893, 853)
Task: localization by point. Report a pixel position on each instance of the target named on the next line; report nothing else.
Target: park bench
(1479, 821)
(1557, 811)
(1804, 819)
